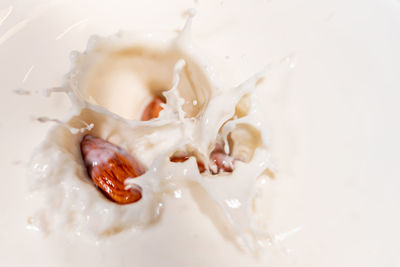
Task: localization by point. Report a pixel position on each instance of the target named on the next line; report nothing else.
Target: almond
(152, 110)
(185, 157)
(108, 166)
(222, 162)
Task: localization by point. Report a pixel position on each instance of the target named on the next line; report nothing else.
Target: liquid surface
(332, 122)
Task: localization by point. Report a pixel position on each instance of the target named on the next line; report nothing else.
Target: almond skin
(108, 166)
(222, 161)
(153, 109)
(183, 158)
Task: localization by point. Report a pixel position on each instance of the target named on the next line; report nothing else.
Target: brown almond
(109, 166)
(183, 158)
(222, 161)
(152, 110)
